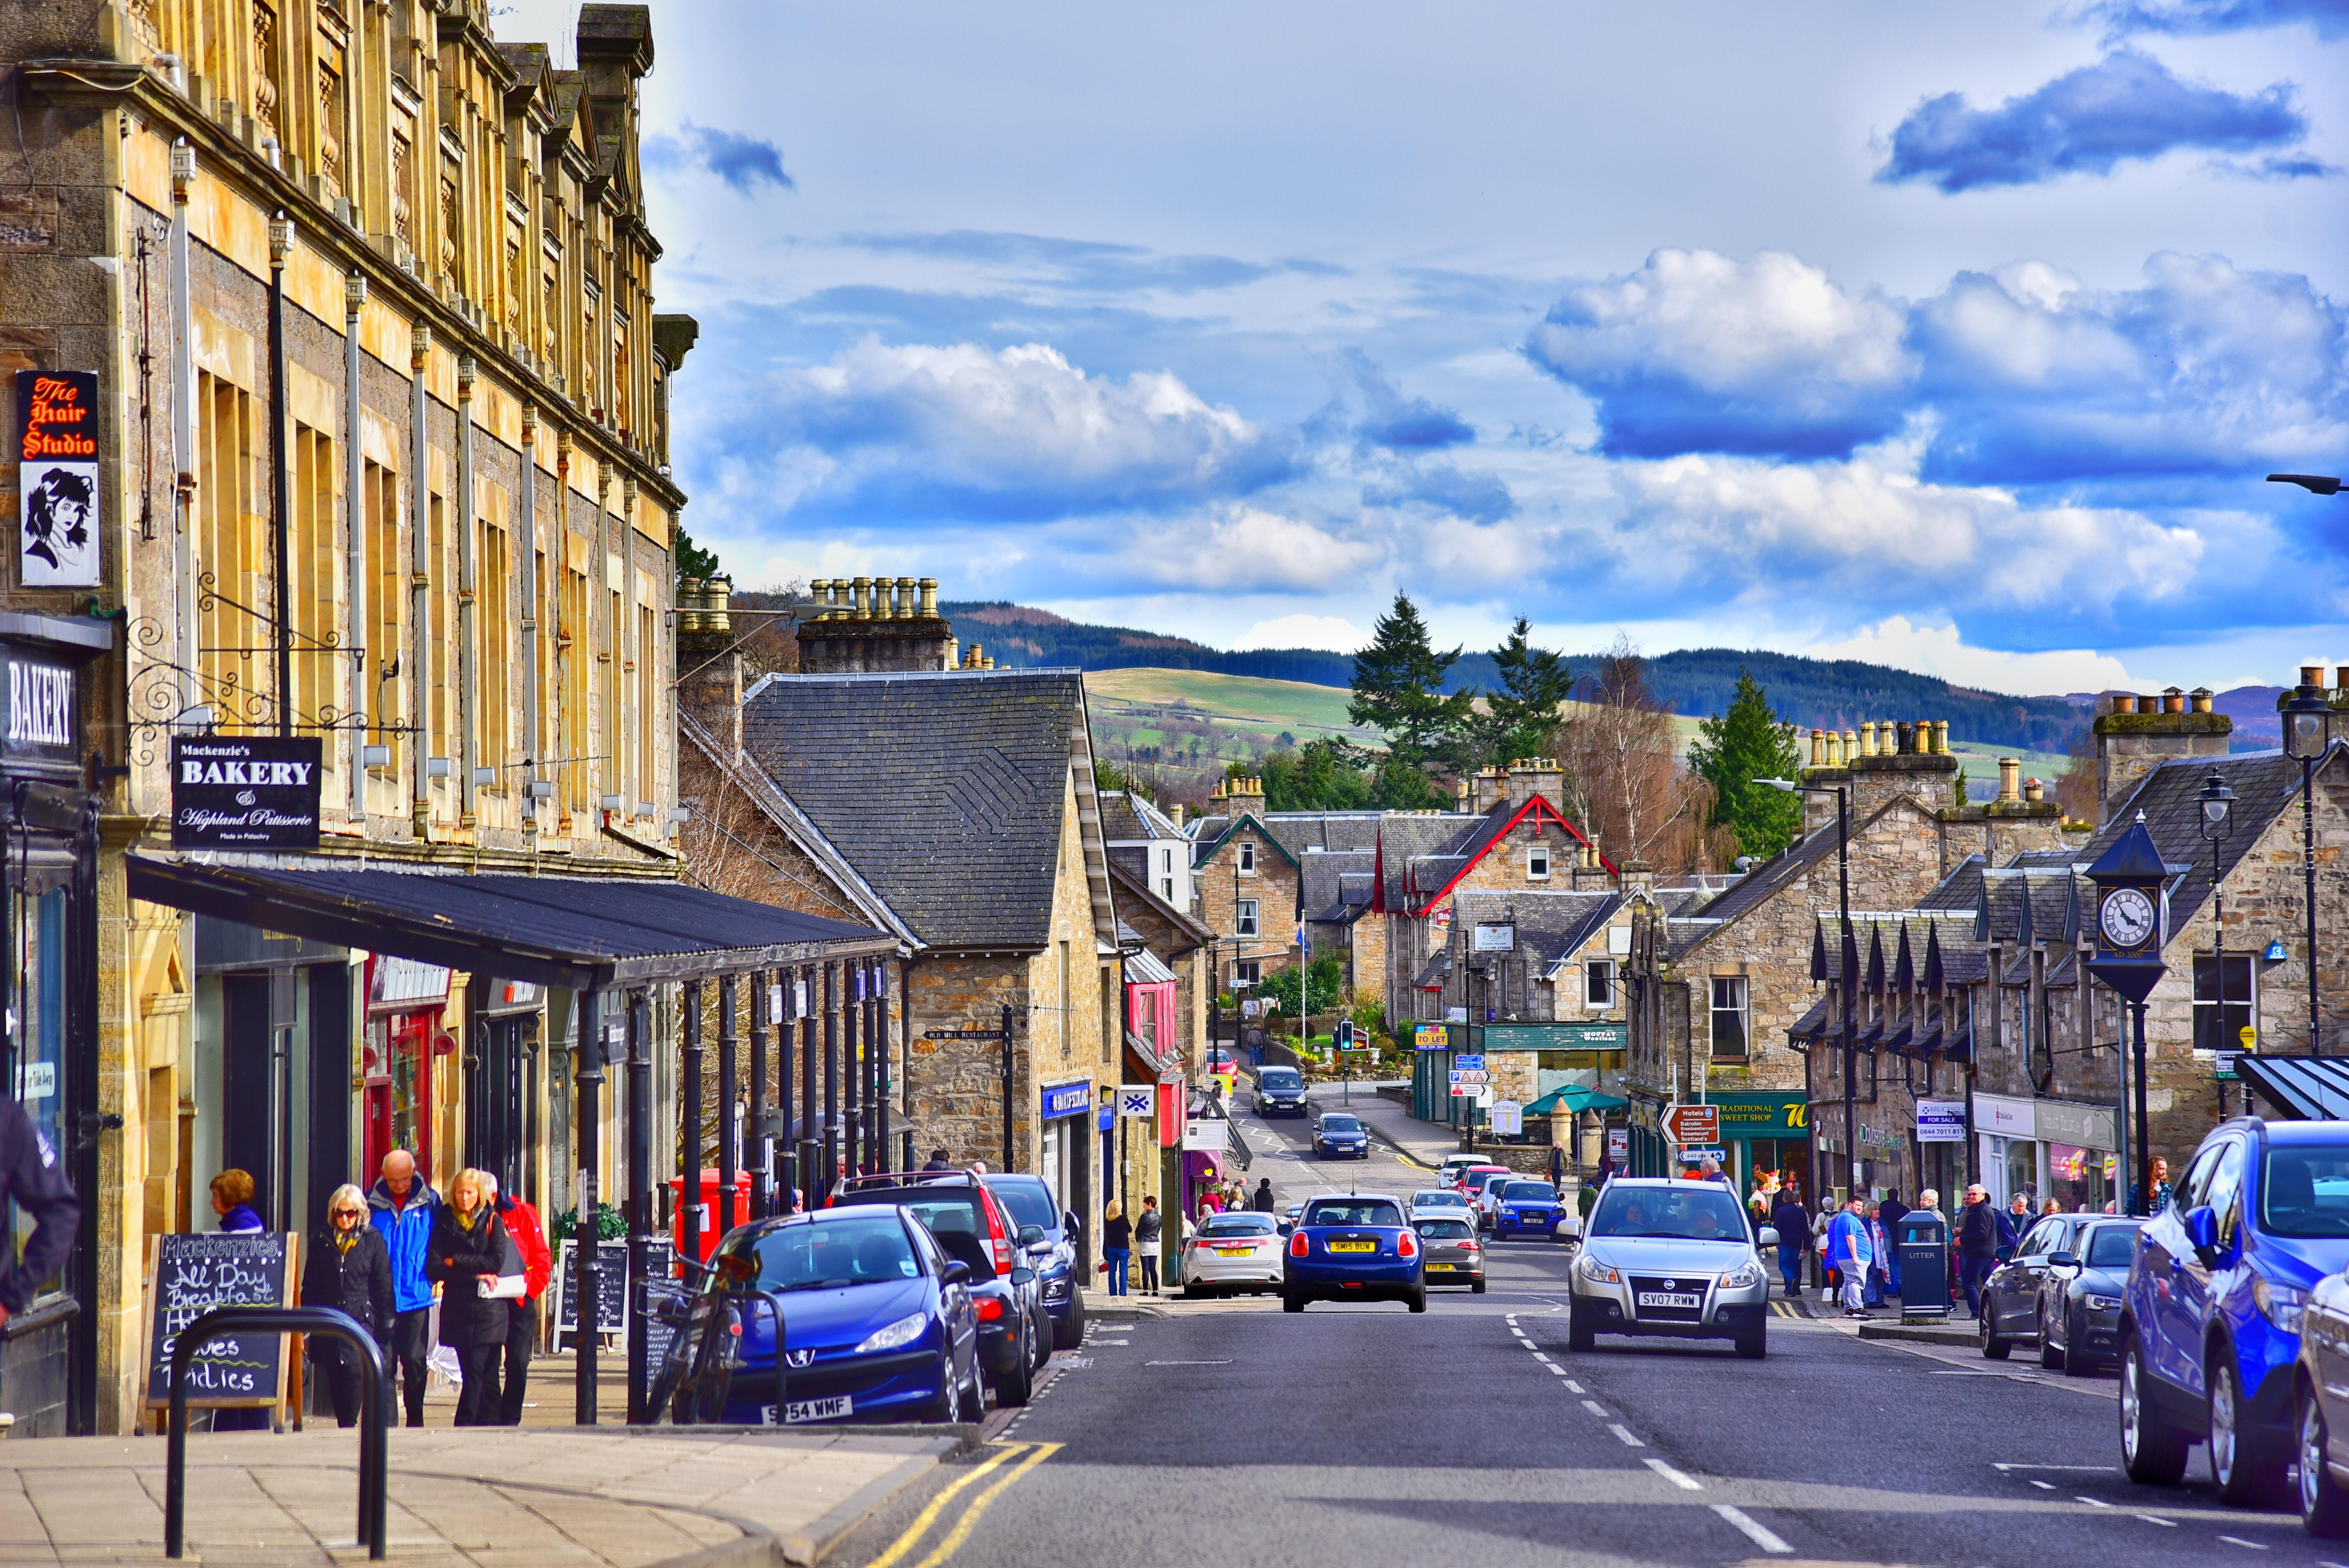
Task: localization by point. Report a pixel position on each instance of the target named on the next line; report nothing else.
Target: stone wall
(1273, 884)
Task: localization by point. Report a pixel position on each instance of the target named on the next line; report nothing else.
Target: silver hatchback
(1670, 1258)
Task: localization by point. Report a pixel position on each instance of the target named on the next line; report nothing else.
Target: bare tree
(2076, 785)
(1624, 782)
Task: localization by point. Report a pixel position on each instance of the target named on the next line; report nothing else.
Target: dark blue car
(1353, 1249)
(1523, 1206)
(1338, 1134)
(877, 1323)
(2211, 1315)
(1030, 1199)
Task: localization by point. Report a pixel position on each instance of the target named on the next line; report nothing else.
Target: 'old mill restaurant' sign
(244, 792)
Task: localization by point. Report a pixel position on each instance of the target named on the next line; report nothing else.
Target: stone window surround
(1737, 988)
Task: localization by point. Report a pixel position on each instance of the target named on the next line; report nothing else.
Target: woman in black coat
(349, 1270)
(467, 1253)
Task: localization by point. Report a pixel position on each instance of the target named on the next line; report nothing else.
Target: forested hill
(1698, 682)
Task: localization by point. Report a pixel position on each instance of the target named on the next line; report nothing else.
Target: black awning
(583, 933)
(2305, 1088)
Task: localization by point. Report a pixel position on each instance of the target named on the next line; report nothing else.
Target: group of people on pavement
(1856, 1241)
(1123, 1238)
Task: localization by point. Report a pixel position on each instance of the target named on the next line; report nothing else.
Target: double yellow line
(1029, 1456)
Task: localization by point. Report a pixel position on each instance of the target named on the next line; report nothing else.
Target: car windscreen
(2111, 1246)
(866, 1249)
(1444, 1230)
(1283, 1078)
(1352, 1211)
(1704, 1213)
(2304, 1189)
(1340, 1124)
(1029, 1202)
(1246, 1224)
(1438, 1200)
(1529, 1192)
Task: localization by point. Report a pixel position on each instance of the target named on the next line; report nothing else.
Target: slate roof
(1757, 886)
(945, 789)
(1550, 926)
(2266, 784)
(1128, 816)
(1303, 832)
(1324, 896)
(1403, 837)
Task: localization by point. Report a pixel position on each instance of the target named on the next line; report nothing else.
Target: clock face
(2127, 917)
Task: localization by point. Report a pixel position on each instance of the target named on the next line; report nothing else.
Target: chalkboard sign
(611, 1286)
(190, 1276)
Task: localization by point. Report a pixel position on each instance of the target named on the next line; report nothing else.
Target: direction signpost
(1693, 1126)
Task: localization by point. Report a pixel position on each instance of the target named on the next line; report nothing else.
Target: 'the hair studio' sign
(244, 792)
(57, 457)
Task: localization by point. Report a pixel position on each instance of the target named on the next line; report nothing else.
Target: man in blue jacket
(1851, 1255)
(400, 1206)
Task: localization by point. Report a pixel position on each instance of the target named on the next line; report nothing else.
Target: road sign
(1470, 1063)
(1691, 1156)
(1689, 1125)
(1470, 1076)
(1479, 1092)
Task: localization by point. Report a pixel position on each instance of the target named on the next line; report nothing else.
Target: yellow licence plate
(1232, 1252)
(1439, 1268)
(1353, 1246)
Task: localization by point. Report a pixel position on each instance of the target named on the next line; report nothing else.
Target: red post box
(710, 1218)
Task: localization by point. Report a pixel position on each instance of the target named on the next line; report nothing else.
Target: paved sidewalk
(1427, 1142)
(711, 1498)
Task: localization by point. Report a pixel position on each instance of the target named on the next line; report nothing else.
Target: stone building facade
(463, 444)
(1250, 887)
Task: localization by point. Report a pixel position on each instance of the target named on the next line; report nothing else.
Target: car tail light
(1297, 1245)
(1406, 1245)
(995, 1235)
(989, 1308)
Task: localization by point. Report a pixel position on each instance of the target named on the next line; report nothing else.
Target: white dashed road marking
(1751, 1530)
(2239, 1541)
(1595, 1409)
(1572, 1387)
(1684, 1482)
(1624, 1432)
(2165, 1523)
(2091, 1501)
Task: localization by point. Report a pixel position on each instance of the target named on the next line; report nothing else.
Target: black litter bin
(1924, 1243)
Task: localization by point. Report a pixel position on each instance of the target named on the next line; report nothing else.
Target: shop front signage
(1941, 1121)
(1496, 938)
(1138, 1100)
(1764, 1116)
(1067, 1100)
(2005, 1117)
(244, 791)
(1557, 1037)
(56, 476)
(2086, 1126)
(44, 720)
(403, 984)
(1430, 1037)
(1618, 1145)
(1207, 1134)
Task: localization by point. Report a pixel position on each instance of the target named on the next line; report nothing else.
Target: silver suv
(1673, 1258)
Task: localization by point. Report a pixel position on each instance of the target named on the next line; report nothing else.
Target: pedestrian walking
(1117, 1245)
(537, 1268)
(1848, 1249)
(1872, 1212)
(1978, 1244)
(2013, 1222)
(399, 1207)
(1794, 1228)
(1147, 1231)
(1820, 1224)
(233, 1201)
(469, 1254)
(939, 1161)
(350, 1271)
(1893, 1210)
(1260, 1201)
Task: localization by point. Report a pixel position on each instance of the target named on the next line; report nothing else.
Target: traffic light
(1345, 1040)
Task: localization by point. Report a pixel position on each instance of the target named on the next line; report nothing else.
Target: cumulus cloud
(1696, 351)
(2330, 18)
(2125, 107)
(1400, 423)
(1247, 549)
(1334, 632)
(742, 162)
(1940, 649)
(911, 433)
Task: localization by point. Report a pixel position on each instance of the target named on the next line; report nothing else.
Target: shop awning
(585, 933)
(1575, 1099)
(2305, 1088)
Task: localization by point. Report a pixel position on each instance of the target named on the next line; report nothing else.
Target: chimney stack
(2144, 731)
(709, 665)
(876, 625)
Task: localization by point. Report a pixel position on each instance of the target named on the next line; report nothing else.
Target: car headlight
(1745, 1277)
(903, 1332)
(1596, 1273)
(2281, 1303)
(2102, 1302)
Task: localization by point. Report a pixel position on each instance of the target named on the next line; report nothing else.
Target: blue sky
(1958, 337)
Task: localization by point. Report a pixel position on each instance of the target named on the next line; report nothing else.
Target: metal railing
(374, 1410)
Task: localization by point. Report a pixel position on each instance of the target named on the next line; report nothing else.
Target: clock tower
(2132, 926)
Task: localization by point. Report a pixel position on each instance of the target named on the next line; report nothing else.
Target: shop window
(2220, 1022)
(1598, 983)
(38, 1068)
(1245, 921)
(1729, 1034)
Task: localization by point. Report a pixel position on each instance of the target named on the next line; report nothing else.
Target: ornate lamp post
(2217, 817)
(2131, 928)
(2307, 735)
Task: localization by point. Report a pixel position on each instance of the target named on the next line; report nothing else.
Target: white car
(1440, 1204)
(1448, 1174)
(1485, 1195)
(1231, 1252)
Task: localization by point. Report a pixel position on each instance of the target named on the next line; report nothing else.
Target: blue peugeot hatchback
(876, 1323)
(2210, 1316)
(1349, 1248)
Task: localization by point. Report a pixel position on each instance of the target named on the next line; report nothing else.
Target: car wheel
(1753, 1344)
(1418, 1299)
(1993, 1348)
(949, 1405)
(1070, 1334)
(1040, 1338)
(1477, 1286)
(1291, 1302)
(1013, 1387)
(2153, 1451)
(2077, 1362)
(1580, 1335)
(972, 1402)
(2243, 1482)
(2324, 1504)
(2051, 1355)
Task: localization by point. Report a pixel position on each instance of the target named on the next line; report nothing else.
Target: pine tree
(1399, 689)
(692, 561)
(1520, 720)
(1747, 742)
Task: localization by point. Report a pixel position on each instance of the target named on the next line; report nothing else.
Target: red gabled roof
(1537, 808)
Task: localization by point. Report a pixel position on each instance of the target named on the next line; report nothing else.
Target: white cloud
(1245, 547)
(1334, 632)
(1941, 650)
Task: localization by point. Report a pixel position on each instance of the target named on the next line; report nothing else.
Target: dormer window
(1537, 862)
(1248, 857)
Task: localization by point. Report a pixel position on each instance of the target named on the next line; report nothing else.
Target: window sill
(41, 1315)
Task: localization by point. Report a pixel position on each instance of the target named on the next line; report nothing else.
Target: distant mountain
(1698, 682)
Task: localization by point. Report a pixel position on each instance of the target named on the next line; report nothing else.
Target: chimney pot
(929, 586)
(689, 605)
(2034, 791)
(863, 600)
(2010, 772)
(1850, 747)
(1940, 738)
(1908, 737)
(2200, 698)
(2312, 674)
(2173, 700)
(1819, 748)
(716, 598)
(907, 599)
(1867, 738)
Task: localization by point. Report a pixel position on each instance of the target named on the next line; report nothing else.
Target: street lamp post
(2218, 814)
(2307, 734)
(1850, 954)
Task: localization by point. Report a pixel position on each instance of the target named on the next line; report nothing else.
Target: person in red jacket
(537, 1266)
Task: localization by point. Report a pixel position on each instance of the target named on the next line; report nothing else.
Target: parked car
(1521, 1206)
(1353, 1248)
(971, 1225)
(2211, 1318)
(1483, 1191)
(1341, 1135)
(1664, 1256)
(1280, 1091)
(1439, 1203)
(1233, 1253)
(876, 1322)
(2080, 1299)
(1454, 1256)
(2011, 1296)
(1054, 1258)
